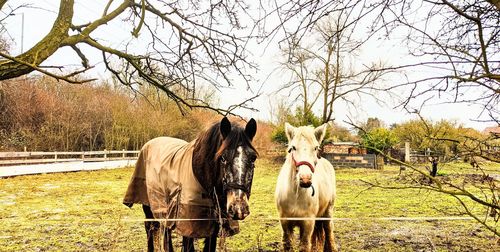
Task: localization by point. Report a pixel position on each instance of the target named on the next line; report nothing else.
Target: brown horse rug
(164, 180)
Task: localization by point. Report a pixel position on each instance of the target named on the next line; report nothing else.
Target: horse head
(304, 151)
(236, 158)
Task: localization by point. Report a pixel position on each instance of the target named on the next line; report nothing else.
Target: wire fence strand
(417, 218)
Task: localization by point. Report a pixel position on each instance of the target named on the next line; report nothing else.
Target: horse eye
(253, 158)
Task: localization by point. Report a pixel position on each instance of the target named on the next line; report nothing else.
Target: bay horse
(305, 191)
(199, 188)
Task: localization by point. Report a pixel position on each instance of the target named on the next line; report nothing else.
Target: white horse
(305, 191)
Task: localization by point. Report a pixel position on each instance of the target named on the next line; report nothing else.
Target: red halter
(297, 164)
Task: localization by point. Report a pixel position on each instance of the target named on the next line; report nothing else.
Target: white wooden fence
(25, 163)
(37, 157)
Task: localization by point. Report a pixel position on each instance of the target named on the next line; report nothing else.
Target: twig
(57, 77)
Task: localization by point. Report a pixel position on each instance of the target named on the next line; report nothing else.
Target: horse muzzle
(237, 205)
(305, 180)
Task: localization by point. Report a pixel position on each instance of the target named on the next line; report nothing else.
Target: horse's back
(162, 144)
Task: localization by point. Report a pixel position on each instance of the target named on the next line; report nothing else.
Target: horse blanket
(164, 180)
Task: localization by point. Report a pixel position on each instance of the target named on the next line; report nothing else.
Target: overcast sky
(37, 23)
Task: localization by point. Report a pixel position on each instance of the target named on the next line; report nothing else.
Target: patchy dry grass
(82, 211)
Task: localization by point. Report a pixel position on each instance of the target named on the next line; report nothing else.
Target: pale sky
(37, 23)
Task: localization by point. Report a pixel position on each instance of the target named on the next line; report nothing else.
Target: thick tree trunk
(43, 49)
(2, 3)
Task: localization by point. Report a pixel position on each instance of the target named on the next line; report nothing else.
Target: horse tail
(318, 237)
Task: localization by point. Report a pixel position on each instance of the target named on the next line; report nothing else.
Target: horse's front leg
(210, 243)
(167, 241)
(187, 244)
(306, 231)
(287, 227)
(329, 236)
(151, 231)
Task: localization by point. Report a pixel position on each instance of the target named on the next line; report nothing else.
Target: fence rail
(39, 157)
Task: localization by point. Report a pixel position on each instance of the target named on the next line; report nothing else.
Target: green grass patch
(82, 211)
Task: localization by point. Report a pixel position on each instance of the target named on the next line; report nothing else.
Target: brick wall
(330, 148)
(343, 147)
(351, 160)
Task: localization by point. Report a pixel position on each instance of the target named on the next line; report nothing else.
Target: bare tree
(326, 71)
(188, 42)
(453, 45)
(459, 52)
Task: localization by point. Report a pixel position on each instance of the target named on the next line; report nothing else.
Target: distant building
(343, 148)
(492, 130)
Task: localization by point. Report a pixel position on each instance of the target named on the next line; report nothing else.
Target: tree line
(447, 138)
(46, 115)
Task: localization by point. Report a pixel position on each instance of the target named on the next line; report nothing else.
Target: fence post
(55, 156)
(105, 154)
(407, 152)
(25, 150)
(123, 154)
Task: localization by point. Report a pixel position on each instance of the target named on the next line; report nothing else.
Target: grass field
(82, 211)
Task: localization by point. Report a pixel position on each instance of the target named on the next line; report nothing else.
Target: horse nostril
(305, 177)
(305, 180)
(305, 184)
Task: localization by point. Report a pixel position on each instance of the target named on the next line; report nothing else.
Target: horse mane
(208, 148)
(306, 132)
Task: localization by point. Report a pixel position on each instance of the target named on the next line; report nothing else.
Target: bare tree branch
(68, 78)
(43, 49)
(186, 45)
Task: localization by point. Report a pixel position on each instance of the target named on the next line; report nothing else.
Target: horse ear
(320, 132)
(225, 127)
(251, 128)
(289, 131)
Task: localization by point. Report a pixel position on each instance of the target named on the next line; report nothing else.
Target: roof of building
(344, 143)
(493, 130)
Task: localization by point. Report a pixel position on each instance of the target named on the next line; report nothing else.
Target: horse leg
(287, 235)
(210, 243)
(167, 240)
(318, 237)
(151, 227)
(306, 231)
(187, 244)
(329, 236)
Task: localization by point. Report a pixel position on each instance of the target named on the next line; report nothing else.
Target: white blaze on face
(237, 200)
(239, 164)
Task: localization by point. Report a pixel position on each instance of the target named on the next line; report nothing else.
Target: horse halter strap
(297, 164)
(233, 186)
